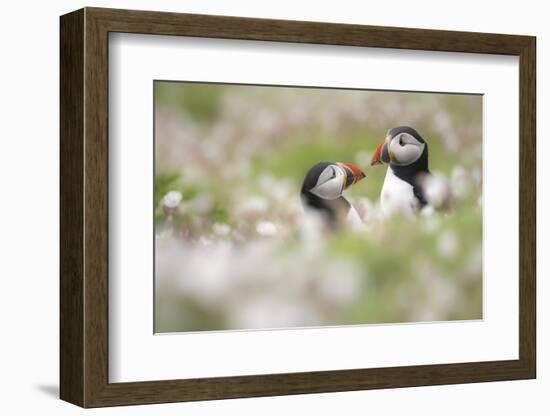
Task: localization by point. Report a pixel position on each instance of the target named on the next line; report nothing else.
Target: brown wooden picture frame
(84, 207)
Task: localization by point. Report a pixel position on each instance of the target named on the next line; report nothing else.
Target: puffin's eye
(327, 174)
(401, 142)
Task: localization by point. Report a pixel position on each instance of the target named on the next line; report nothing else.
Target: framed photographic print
(255, 207)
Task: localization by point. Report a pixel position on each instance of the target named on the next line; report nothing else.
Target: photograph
(284, 207)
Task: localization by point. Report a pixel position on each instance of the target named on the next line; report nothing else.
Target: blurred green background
(233, 247)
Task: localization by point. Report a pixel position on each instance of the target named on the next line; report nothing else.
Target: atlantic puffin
(404, 189)
(322, 192)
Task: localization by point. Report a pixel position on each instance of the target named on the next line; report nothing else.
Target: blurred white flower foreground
(261, 283)
(296, 274)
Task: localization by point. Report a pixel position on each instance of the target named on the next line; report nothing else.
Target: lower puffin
(405, 189)
(322, 192)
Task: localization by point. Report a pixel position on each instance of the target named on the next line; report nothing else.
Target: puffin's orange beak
(356, 174)
(377, 156)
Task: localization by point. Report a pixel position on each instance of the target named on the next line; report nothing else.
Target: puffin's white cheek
(405, 155)
(331, 189)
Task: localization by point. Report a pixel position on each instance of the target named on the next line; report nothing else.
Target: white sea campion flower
(436, 189)
(255, 205)
(172, 199)
(205, 241)
(427, 211)
(266, 229)
(221, 230)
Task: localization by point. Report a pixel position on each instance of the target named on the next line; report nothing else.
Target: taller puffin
(406, 152)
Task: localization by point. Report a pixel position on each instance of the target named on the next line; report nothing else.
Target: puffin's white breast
(397, 196)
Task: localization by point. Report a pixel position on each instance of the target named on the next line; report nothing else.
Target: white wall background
(29, 155)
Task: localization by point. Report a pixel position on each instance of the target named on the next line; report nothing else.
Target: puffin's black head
(403, 146)
(327, 180)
